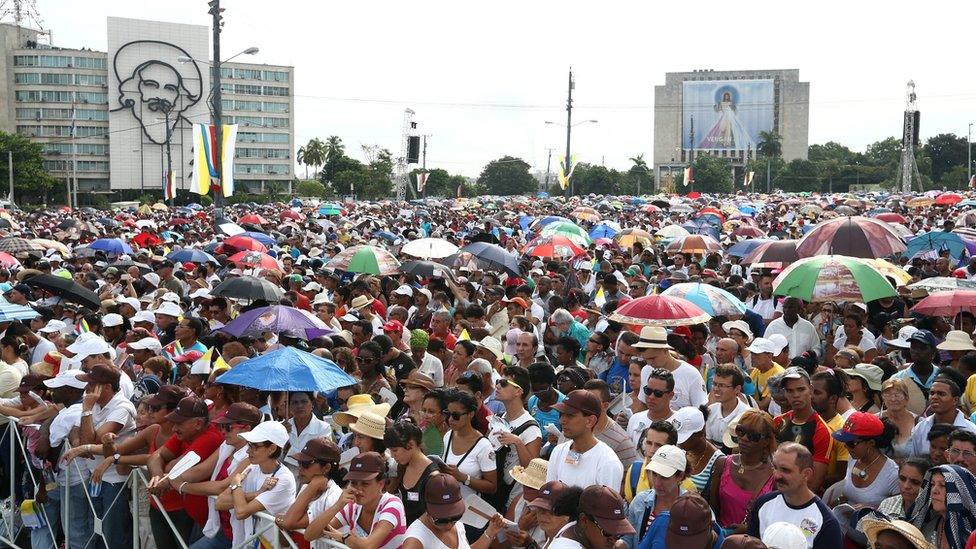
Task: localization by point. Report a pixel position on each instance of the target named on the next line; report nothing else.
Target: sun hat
(607, 508)
(442, 494)
(727, 436)
(783, 535)
(871, 374)
(653, 337)
(419, 379)
(533, 475)
(356, 405)
(687, 421)
(859, 425)
(369, 424)
(492, 344)
(267, 431)
(691, 522)
(360, 301)
(667, 461)
(740, 325)
(907, 530)
(957, 340)
(549, 492)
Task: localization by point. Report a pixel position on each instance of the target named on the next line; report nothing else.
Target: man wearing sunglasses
(689, 387)
(602, 521)
(658, 390)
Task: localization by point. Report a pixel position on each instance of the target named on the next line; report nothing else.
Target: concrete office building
(113, 121)
(722, 113)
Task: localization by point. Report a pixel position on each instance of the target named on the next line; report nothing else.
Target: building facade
(722, 113)
(115, 122)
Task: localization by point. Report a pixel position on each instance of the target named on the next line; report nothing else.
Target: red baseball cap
(860, 425)
(393, 326)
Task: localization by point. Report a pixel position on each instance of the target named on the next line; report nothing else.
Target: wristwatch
(115, 459)
(234, 487)
(467, 481)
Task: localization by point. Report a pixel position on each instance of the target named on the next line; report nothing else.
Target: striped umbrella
(553, 246)
(833, 278)
(628, 237)
(853, 236)
(695, 244)
(714, 301)
(672, 231)
(660, 310)
(365, 259)
(774, 254)
(254, 259)
(12, 311)
(13, 245)
(586, 214)
(571, 231)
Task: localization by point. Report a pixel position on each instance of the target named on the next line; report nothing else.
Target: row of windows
(250, 152)
(59, 61)
(260, 106)
(81, 148)
(254, 74)
(83, 165)
(263, 121)
(62, 131)
(269, 169)
(252, 137)
(58, 79)
(50, 96)
(61, 114)
(253, 89)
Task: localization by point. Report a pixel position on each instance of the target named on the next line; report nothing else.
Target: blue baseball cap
(923, 336)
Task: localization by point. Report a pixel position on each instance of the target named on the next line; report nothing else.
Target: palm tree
(770, 144)
(273, 190)
(302, 159)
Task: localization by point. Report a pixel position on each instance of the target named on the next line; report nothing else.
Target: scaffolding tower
(907, 168)
(402, 170)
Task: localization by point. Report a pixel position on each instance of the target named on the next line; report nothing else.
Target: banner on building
(227, 150)
(747, 180)
(169, 186)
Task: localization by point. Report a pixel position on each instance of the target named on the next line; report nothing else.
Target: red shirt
(302, 302)
(450, 341)
(813, 433)
(205, 444)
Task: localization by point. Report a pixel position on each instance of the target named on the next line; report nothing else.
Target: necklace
(863, 473)
(700, 458)
(743, 467)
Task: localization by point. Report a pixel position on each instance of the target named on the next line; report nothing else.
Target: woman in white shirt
(303, 426)
(318, 470)
(468, 455)
(441, 527)
(12, 366)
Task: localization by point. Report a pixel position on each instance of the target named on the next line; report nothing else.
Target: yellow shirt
(760, 379)
(838, 451)
(969, 395)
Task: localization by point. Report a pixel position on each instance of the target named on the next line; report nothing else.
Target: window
(57, 96)
(90, 131)
(252, 137)
(27, 78)
(53, 61)
(57, 148)
(29, 96)
(249, 152)
(91, 114)
(92, 165)
(247, 89)
(274, 76)
(275, 90)
(28, 114)
(25, 60)
(226, 73)
(90, 80)
(97, 98)
(90, 62)
(93, 149)
(57, 165)
(274, 107)
(93, 185)
(247, 74)
(56, 79)
(276, 122)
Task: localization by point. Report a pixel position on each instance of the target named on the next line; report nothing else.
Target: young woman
(871, 475)
(738, 479)
(12, 364)
(634, 374)
(863, 397)
(637, 478)
(463, 354)
(440, 527)
(894, 395)
(364, 517)
(944, 509)
(701, 453)
(434, 421)
(666, 476)
(414, 468)
(303, 425)
(910, 476)
(468, 455)
(318, 470)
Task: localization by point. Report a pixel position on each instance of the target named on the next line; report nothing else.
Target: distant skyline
(483, 82)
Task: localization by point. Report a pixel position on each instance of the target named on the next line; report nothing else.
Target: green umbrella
(570, 230)
(833, 278)
(365, 259)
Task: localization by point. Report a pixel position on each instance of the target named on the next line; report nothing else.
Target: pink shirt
(390, 509)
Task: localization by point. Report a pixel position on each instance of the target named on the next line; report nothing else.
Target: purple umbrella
(276, 319)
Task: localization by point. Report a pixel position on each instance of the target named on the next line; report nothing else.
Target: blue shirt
(908, 373)
(617, 377)
(544, 418)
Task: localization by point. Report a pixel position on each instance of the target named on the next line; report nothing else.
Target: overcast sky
(484, 77)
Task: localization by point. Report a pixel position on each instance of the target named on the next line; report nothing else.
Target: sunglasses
(656, 392)
(307, 464)
(456, 415)
(603, 532)
(507, 383)
(854, 443)
(258, 444)
(751, 436)
(448, 520)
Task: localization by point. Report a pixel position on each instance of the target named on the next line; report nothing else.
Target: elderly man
(563, 323)
(440, 327)
(429, 364)
(526, 349)
(727, 352)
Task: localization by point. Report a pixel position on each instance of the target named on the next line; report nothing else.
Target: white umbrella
(673, 231)
(429, 248)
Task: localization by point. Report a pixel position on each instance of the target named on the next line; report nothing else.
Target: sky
(483, 78)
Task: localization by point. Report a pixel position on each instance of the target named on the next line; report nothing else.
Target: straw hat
(360, 301)
(357, 404)
(907, 530)
(370, 425)
(533, 476)
(957, 340)
(727, 437)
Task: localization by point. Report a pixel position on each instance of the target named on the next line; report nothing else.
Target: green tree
(596, 179)
(507, 176)
(798, 176)
(886, 152)
(300, 157)
(946, 151)
(711, 175)
(335, 153)
(273, 190)
(311, 187)
(439, 182)
(759, 167)
(770, 144)
(639, 178)
(30, 177)
(832, 150)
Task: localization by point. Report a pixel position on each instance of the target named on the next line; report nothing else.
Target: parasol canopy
(365, 259)
(854, 236)
(660, 310)
(833, 278)
(288, 369)
(714, 301)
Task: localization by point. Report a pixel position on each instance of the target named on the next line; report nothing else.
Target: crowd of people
(487, 400)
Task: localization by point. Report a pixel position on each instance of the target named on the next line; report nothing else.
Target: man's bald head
(726, 350)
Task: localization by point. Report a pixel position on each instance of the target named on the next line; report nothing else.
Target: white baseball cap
(91, 347)
(783, 535)
(903, 336)
(202, 293)
(152, 278)
(169, 308)
(53, 326)
(667, 461)
(268, 431)
(780, 341)
(147, 343)
(687, 421)
(143, 316)
(312, 287)
(171, 297)
(67, 378)
(130, 301)
(763, 345)
(111, 319)
(80, 341)
(404, 289)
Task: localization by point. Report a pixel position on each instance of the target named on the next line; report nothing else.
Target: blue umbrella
(493, 256)
(107, 222)
(386, 235)
(550, 219)
(710, 219)
(288, 369)
(296, 203)
(525, 221)
(261, 237)
(602, 231)
(747, 209)
(745, 247)
(12, 311)
(111, 246)
(171, 235)
(936, 241)
(194, 206)
(192, 256)
(702, 228)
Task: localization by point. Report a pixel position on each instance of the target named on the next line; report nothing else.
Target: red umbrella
(553, 246)
(179, 221)
(243, 243)
(254, 259)
(253, 219)
(772, 255)
(693, 195)
(713, 211)
(8, 261)
(146, 240)
(947, 303)
(853, 236)
(660, 310)
(291, 214)
(892, 217)
(748, 231)
(948, 199)
(651, 208)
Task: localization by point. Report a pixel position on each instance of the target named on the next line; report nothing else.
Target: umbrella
(274, 319)
(288, 369)
(429, 248)
(891, 217)
(714, 301)
(920, 202)
(264, 239)
(607, 229)
(936, 241)
(628, 237)
(538, 224)
(695, 244)
(292, 214)
(13, 245)
(744, 247)
(586, 214)
(48, 244)
(660, 310)
(12, 311)
(111, 246)
(387, 235)
(230, 229)
(170, 235)
(942, 284)
(192, 256)
(832, 278)
(569, 230)
(330, 209)
(484, 237)
(160, 207)
(947, 303)
(855, 236)
(810, 209)
(255, 259)
(252, 219)
(8, 261)
(553, 246)
(365, 259)
(241, 243)
(248, 287)
(126, 263)
(68, 289)
(899, 275)
(426, 269)
(146, 239)
(68, 223)
(748, 231)
(492, 256)
(672, 231)
(948, 199)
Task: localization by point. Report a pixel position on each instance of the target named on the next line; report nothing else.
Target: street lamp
(969, 155)
(574, 125)
(249, 51)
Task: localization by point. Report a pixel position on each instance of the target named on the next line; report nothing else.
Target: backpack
(500, 499)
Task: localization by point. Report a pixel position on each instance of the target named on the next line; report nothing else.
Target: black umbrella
(249, 287)
(68, 223)
(493, 257)
(67, 289)
(485, 237)
(126, 263)
(5, 223)
(425, 269)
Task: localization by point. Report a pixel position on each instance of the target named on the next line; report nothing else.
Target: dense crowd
(512, 372)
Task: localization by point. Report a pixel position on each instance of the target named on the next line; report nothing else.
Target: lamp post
(969, 155)
(569, 130)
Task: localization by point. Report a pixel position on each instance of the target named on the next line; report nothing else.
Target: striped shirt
(619, 441)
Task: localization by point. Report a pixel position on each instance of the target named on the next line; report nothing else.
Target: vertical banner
(203, 165)
(747, 180)
(227, 149)
(561, 175)
(422, 181)
(689, 175)
(169, 186)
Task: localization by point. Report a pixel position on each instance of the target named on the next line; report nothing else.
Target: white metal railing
(11, 526)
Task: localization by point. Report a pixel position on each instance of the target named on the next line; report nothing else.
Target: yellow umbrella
(900, 276)
(144, 209)
(627, 237)
(51, 245)
(160, 207)
(920, 202)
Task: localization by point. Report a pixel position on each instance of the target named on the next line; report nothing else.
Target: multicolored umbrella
(553, 246)
(745, 247)
(606, 229)
(628, 237)
(776, 254)
(252, 219)
(365, 259)
(242, 243)
(833, 278)
(936, 241)
(14, 245)
(569, 230)
(854, 236)
(586, 214)
(899, 275)
(254, 259)
(943, 284)
(275, 319)
(920, 202)
(714, 301)
(695, 244)
(330, 209)
(660, 310)
(672, 231)
(748, 231)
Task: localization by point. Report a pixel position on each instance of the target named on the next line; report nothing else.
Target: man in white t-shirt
(689, 386)
(727, 407)
(583, 460)
(658, 390)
